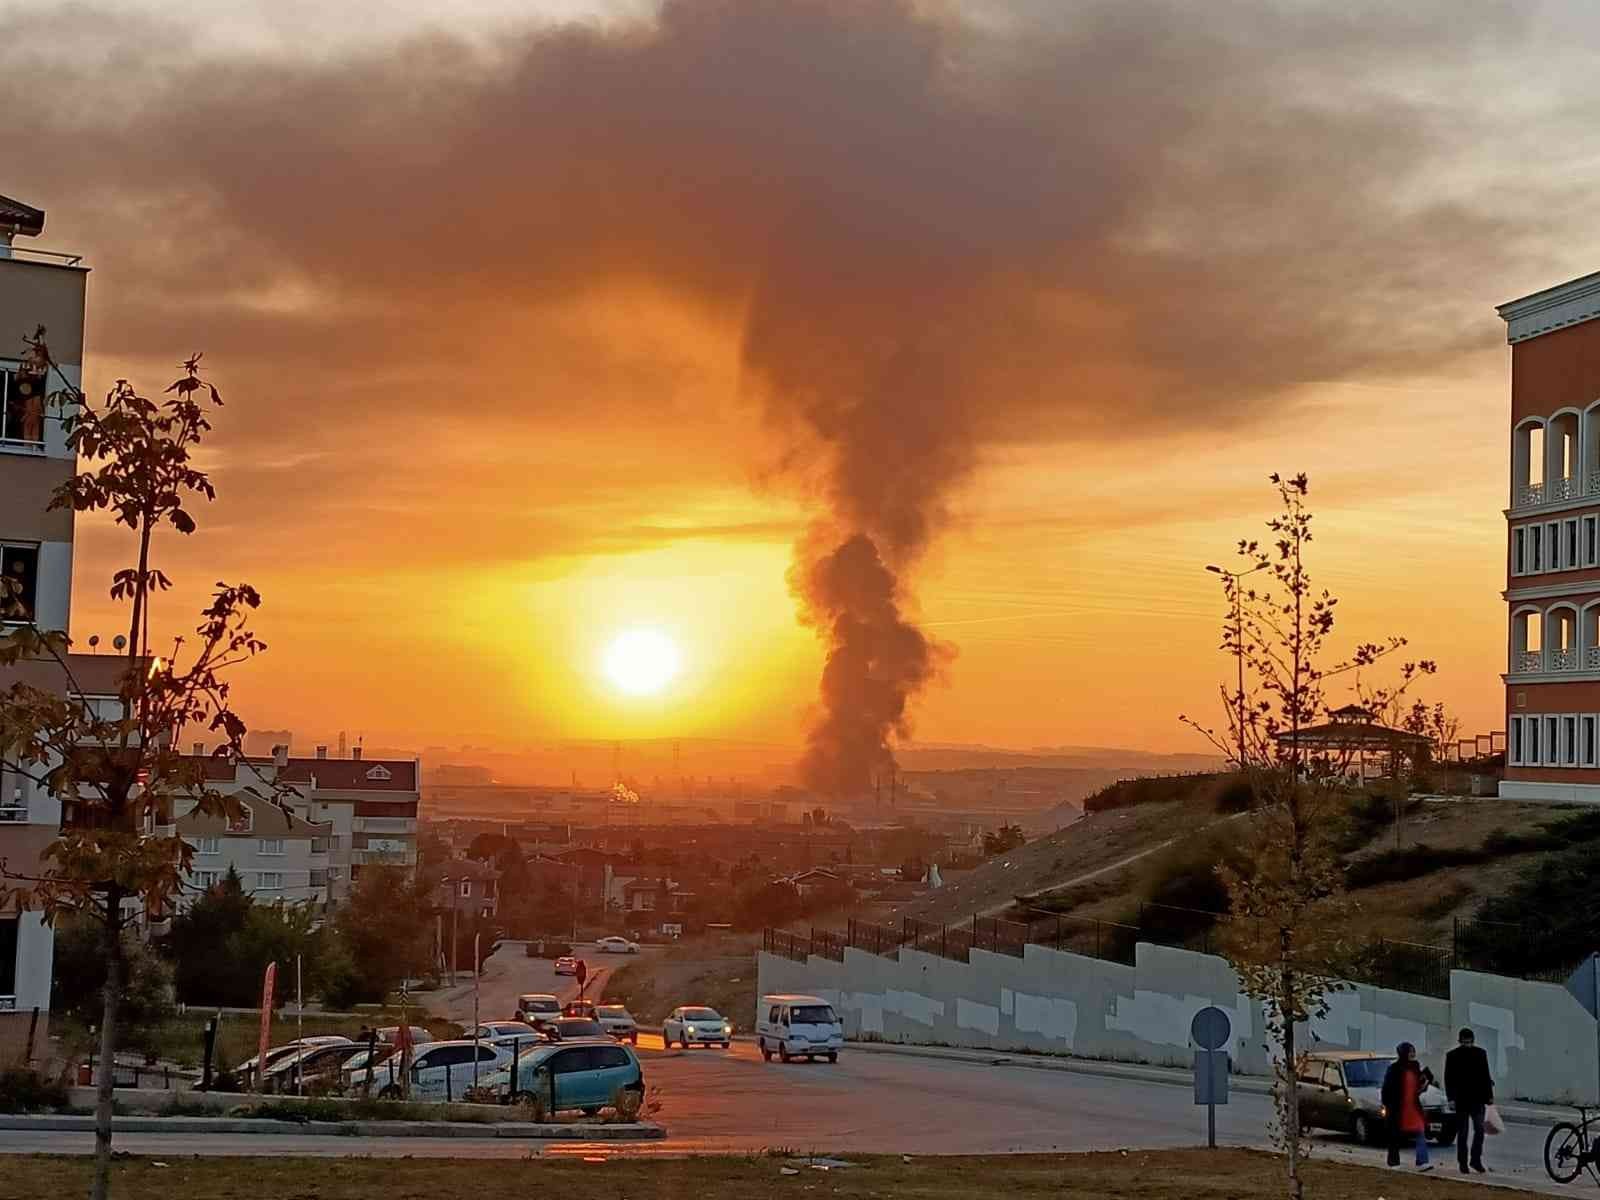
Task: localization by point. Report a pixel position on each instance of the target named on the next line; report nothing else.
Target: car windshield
(811, 1014)
(611, 1010)
(1365, 1072)
(701, 1014)
(577, 1027)
(540, 1004)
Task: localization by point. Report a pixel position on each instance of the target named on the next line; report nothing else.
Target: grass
(182, 1039)
(1148, 1175)
(721, 974)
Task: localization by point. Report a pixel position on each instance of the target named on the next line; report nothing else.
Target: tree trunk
(108, 1046)
(1291, 1092)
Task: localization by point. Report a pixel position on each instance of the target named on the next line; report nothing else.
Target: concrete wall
(1542, 1044)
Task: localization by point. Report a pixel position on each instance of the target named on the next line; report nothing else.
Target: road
(872, 1101)
(507, 974)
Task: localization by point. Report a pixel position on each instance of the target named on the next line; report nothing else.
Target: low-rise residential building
(468, 886)
(277, 854)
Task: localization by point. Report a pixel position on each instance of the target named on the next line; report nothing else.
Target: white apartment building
(37, 288)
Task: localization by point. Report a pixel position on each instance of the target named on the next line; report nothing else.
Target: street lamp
(1238, 641)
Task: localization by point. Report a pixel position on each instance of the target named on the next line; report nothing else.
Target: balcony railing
(385, 825)
(1562, 489)
(1563, 660)
(1591, 658)
(1527, 662)
(1530, 495)
(14, 812)
(398, 858)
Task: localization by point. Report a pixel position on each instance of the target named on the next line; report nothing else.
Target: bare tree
(117, 765)
(1288, 908)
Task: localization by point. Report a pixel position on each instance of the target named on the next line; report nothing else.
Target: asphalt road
(871, 1101)
(509, 973)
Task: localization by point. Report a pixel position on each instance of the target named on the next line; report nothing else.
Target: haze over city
(1127, 260)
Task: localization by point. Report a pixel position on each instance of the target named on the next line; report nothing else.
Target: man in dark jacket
(1470, 1088)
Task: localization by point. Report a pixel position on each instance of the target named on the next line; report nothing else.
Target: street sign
(582, 973)
(1211, 1031)
(1210, 1028)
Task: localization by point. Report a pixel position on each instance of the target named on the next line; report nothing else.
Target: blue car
(586, 1076)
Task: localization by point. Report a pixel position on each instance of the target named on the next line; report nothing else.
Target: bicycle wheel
(1563, 1152)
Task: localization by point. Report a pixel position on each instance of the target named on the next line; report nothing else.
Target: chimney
(322, 752)
(199, 749)
(280, 756)
(355, 752)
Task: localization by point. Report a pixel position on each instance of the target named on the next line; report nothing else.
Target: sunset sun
(641, 661)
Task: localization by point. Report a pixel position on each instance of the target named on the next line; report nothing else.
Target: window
(566, 1061)
(1569, 546)
(1552, 541)
(207, 879)
(380, 773)
(8, 956)
(269, 846)
(208, 845)
(1519, 551)
(1569, 741)
(22, 400)
(1530, 749)
(1514, 756)
(244, 822)
(466, 887)
(269, 880)
(1590, 744)
(1591, 541)
(19, 567)
(1536, 542)
(1551, 736)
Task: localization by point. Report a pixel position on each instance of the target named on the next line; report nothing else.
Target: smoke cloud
(924, 230)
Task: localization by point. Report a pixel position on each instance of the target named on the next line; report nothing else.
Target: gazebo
(1352, 736)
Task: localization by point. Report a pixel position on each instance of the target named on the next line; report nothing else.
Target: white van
(798, 1027)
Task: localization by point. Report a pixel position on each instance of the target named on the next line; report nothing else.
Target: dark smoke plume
(930, 228)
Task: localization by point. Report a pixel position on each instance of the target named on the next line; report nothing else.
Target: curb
(1171, 1077)
(266, 1126)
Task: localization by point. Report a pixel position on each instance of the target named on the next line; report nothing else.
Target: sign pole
(475, 940)
(299, 1020)
(1210, 1031)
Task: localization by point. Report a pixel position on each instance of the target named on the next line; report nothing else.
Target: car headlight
(1383, 1112)
(727, 1029)
(690, 1029)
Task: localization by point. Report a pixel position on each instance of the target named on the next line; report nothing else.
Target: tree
(1287, 907)
(119, 769)
(386, 926)
(1003, 840)
(199, 941)
(79, 979)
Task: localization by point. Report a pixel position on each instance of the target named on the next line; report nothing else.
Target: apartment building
(276, 852)
(1553, 545)
(37, 288)
(352, 812)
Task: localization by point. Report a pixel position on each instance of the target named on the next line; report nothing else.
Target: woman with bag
(1403, 1085)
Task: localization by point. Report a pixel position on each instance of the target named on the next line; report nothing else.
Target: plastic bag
(1493, 1122)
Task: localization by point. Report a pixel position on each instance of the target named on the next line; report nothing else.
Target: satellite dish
(119, 642)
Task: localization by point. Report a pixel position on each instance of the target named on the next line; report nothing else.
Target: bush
(1154, 790)
(1411, 862)
(23, 1091)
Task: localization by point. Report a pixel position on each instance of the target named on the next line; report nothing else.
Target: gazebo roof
(1353, 735)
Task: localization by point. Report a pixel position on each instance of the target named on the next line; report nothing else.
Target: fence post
(449, 1090)
(1097, 938)
(944, 941)
(1058, 931)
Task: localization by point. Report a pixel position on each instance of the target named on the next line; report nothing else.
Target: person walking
(1470, 1088)
(1403, 1083)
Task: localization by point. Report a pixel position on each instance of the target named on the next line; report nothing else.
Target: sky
(541, 322)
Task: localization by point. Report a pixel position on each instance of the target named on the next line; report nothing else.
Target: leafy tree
(200, 941)
(1003, 840)
(386, 927)
(767, 903)
(1287, 907)
(79, 979)
(119, 767)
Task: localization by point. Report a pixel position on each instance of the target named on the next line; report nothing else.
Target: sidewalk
(1517, 1112)
(638, 1131)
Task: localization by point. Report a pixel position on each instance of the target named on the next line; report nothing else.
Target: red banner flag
(268, 985)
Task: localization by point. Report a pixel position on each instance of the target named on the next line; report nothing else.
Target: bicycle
(1568, 1150)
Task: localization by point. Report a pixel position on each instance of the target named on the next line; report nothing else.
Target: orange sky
(509, 323)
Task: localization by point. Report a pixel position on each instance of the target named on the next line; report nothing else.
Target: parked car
(691, 1024)
(617, 945)
(391, 1033)
(507, 1032)
(618, 1022)
(566, 1029)
(1343, 1090)
(533, 1007)
(566, 965)
(353, 1071)
(798, 1027)
(442, 1070)
(247, 1068)
(587, 1076)
(307, 1067)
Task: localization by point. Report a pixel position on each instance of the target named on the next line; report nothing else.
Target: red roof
(334, 774)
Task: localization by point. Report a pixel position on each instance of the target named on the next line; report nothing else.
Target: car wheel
(726, 1045)
(833, 1056)
(389, 1092)
(1362, 1129)
(783, 1052)
(766, 1055)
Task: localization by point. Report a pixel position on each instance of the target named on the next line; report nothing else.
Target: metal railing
(828, 944)
(32, 254)
(873, 938)
(786, 945)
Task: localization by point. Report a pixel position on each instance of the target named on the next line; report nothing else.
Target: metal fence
(828, 944)
(786, 945)
(873, 938)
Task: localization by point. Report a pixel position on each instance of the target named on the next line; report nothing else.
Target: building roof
(21, 218)
(1554, 308)
(332, 774)
(1353, 735)
(467, 868)
(95, 674)
(267, 819)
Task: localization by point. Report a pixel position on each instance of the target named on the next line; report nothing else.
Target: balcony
(1527, 662)
(1530, 495)
(384, 825)
(391, 858)
(1563, 660)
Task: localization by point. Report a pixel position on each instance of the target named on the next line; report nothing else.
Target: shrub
(1411, 862)
(23, 1091)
